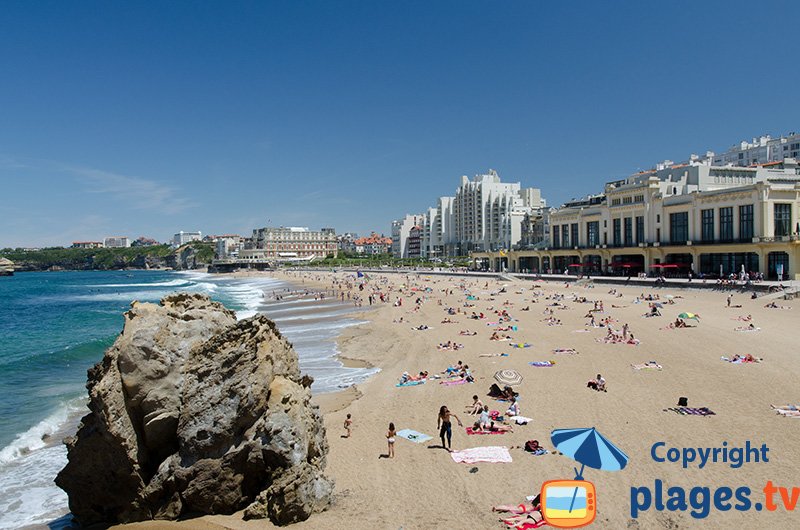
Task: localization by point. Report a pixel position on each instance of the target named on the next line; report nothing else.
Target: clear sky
(145, 118)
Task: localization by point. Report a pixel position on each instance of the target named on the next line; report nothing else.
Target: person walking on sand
(390, 434)
(445, 427)
(348, 424)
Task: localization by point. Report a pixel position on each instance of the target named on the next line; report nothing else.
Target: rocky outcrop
(195, 413)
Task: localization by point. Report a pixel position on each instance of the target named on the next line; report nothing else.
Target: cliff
(195, 413)
(192, 256)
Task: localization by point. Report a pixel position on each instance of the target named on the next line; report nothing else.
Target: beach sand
(423, 488)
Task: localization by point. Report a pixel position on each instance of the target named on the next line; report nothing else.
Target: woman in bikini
(390, 434)
(444, 426)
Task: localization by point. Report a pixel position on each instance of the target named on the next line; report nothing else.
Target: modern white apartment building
(488, 213)
(117, 242)
(687, 217)
(401, 231)
(182, 238)
(484, 214)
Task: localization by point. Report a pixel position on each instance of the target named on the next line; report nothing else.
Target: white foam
(31, 440)
(171, 283)
(28, 466)
(28, 495)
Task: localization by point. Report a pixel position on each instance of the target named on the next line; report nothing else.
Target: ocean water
(56, 325)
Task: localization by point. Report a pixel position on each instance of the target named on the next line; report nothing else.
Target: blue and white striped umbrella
(590, 448)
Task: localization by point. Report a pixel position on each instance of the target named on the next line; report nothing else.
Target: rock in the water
(195, 413)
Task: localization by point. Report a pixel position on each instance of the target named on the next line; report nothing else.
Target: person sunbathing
(467, 333)
(447, 321)
(492, 427)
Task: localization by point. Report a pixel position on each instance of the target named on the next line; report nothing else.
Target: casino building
(678, 218)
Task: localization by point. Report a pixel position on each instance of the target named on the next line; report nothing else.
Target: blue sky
(145, 118)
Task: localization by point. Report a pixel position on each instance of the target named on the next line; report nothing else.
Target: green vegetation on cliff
(189, 256)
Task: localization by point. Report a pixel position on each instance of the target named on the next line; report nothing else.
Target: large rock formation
(195, 413)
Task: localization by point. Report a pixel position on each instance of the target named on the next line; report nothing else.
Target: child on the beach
(348, 424)
(391, 433)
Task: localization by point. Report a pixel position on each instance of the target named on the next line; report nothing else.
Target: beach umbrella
(590, 448)
(508, 377)
(689, 315)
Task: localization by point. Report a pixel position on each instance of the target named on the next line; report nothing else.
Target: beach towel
(492, 454)
(651, 365)
(413, 436)
(520, 420)
(411, 383)
(520, 345)
(581, 330)
(542, 364)
(691, 411)
(470, 430)
(746, 330)
(451, 383)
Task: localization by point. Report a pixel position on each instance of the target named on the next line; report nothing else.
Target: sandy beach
(422, 487)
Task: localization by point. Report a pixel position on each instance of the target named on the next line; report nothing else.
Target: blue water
(56, 325)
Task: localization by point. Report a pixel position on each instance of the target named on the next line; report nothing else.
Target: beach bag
(683, 402)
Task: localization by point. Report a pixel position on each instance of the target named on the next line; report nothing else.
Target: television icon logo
(568, 503)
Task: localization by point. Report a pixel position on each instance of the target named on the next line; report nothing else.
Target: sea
(56, 325)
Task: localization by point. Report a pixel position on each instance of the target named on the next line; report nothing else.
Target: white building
(181, 238)
(761, 150)
(401, 232)
(228, 246)
(488, 214)
(117, 242)
(484, 214)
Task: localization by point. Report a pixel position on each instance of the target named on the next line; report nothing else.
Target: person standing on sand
(445, 427)
(348, 424)
(390, 434)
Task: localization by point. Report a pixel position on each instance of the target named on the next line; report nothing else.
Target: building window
(726, 224)
(614, 202)
(658, 217)
(556, 237)
(639, 229)
(617, 240)
(593, 233)
(746, 230)
(629, 231)
(638, 198)
(679, 228)
(778, 265)
(574, 237)
(707, 224)
(783, 219)
(627, 200)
